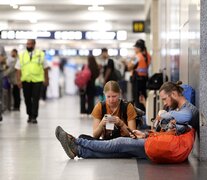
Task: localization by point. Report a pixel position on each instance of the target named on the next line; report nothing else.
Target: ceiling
(74, 15)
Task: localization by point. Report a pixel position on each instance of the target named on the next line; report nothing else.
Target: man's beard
(174, 104)
(30, 49)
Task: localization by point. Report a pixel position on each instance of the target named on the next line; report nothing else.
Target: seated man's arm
(183, 116)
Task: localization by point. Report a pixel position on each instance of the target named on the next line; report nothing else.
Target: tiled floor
(31, 152)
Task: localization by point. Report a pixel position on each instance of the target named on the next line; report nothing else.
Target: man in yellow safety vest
(32, 73)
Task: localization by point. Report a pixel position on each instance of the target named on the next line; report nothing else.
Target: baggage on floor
(153, 105)
(189, 93)
(169, 148)
(156, 81)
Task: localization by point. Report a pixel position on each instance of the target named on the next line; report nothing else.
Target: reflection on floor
(31, 152)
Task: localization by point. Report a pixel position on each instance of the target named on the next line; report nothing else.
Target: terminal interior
(68, 31)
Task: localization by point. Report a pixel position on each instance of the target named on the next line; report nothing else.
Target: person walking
(87, 95)
(106, 71)
(139, 68)
(2, 62)
(11, 74)
(32, 73)
(108, 67)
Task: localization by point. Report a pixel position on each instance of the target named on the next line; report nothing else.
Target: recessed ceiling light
(27, 8)
(33, 20)
(15, 6)
(95, 8)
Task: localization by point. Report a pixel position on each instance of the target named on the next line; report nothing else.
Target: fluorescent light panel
(27, 8)
(15, 6)
(95, 8)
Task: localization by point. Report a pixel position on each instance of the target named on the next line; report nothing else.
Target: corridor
(32, 152)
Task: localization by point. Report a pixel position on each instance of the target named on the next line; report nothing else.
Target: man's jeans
(121, 147)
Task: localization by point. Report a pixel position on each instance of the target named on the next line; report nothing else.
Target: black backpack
(156, 81)
(123, 115)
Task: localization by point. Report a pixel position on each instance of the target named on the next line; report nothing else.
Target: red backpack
(163, 147)
(82, 77)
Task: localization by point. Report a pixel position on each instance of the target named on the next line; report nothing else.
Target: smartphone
(109, 123)
(109, 117)
(130, 131)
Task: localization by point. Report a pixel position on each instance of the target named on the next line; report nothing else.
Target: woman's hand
(117, 121)
(103, 122)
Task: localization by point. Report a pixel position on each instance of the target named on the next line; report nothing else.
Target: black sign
(138, 26)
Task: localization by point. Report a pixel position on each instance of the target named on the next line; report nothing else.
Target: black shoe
(29, 120)
(1, 118)
(34, 121)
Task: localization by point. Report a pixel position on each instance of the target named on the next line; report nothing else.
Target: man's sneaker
(67, 141)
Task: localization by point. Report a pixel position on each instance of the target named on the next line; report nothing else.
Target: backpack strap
(103, 108)
(123, 110)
